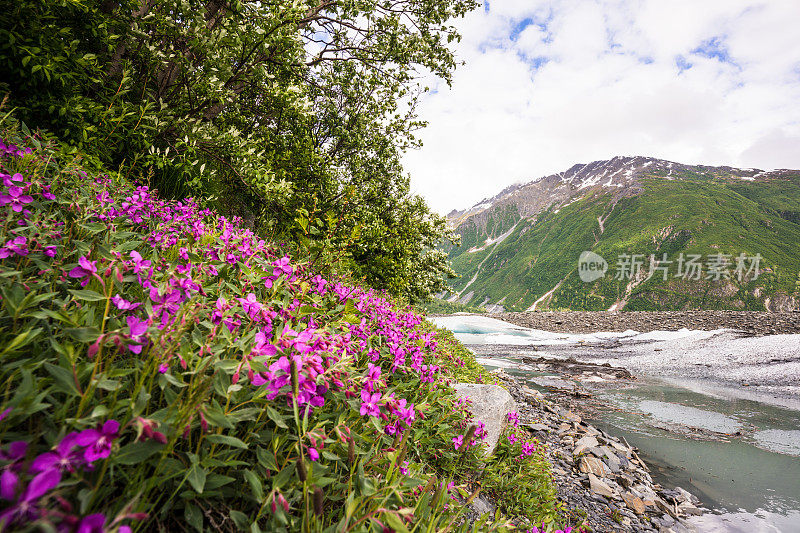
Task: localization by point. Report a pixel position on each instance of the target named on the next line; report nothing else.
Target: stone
(664, 507)
(593, 465)
(599, 487)
(538, 427)
(572, 417)
(617, 446)
(482, 506)
(687, 496)
(611, 459)
(633, 502)
(588, 442)
(626, 480)
(689, 509)
(489, 404)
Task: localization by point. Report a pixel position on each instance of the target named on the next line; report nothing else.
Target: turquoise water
(741, 457)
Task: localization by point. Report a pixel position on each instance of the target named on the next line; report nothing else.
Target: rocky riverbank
(599, 474)
(749, 322)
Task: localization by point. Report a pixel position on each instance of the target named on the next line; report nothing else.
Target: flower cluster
(188, 274)
(76, 451)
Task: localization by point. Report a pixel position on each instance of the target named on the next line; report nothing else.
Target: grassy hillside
(166, 369)
(698, 214)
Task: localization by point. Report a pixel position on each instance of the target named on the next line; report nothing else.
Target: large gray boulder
(489, 404)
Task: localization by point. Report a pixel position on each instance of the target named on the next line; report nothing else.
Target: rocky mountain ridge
(620, 172)
(650, 205)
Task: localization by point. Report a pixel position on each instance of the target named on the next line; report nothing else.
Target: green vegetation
(435, 306)
(697, 214)
(165, 369)
(291, 115)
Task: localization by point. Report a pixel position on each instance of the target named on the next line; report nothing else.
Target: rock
(611, 459)
(490, 405)
(572, 417)
(664, 507)
(688, 496)
(633, 502)
(535, 394)
(619, 447)
(689, 509)
(481, 505)
(544, 428)
(588, 442)
(593, 465)
(599, 487)
(557, 384)
(626, 480)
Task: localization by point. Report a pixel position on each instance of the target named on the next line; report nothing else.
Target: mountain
(520, 249)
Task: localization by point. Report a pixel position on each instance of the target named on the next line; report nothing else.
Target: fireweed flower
(458, 441)
(138, 263)
(136, 331)
(169, 303)
(513, 418)
(17, 180)
(25, 509)
(16, 198)
(313, 454)
(123, 304)
(282, 266)
(369, 403)
(65, 457)
(18, 246)
(94, 523)
(101, 441)
(250, 305)
(84, 271)
(46, 194)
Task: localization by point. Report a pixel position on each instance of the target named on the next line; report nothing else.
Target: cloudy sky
(548, 84)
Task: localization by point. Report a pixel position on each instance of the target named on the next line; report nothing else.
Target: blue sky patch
(714, 48)
(682, 64)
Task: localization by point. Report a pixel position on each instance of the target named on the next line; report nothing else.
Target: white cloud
(548, 84)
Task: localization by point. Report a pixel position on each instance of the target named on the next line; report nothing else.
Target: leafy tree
(266, 109)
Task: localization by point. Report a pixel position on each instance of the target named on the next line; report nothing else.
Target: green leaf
(240, 519)
(136, 452)
(64, 379)
(266, 459)
(193, 516)
(83, 334)
(255, 484)
(283, 476)
(275, 417)
(227, 440)
(89, 296)
(21, 340)
(216, 417)
(394, 522)
(215, 481)
(197, 478)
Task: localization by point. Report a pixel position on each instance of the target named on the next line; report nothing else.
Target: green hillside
(699, 213)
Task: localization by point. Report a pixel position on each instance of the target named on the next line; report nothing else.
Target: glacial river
(714, 413)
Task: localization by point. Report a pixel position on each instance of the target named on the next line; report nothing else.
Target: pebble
(600, 474)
